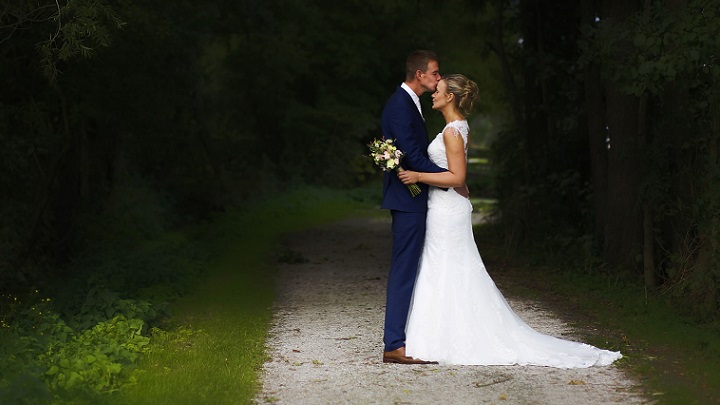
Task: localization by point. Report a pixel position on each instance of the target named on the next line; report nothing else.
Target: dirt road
(325, 345)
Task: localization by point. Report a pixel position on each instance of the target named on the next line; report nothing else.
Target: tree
(646, 138)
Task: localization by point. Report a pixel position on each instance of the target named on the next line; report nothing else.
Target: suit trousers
(408, 233)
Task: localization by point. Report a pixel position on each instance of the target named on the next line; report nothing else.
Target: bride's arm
(457, 166)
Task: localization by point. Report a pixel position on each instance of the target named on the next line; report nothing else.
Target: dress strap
(461, 128)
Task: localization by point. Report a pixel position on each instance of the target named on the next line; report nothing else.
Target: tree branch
(23, 18)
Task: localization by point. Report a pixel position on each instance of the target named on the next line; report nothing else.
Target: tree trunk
(595, 110)
(499, 48)
(203, 134)
(648, 247)
(535, 107)
(672, 110)
(648, 204)
(623, 221)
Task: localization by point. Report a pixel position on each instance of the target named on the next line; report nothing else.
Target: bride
(458, 316)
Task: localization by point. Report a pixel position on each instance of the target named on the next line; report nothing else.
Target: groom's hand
(463, 191)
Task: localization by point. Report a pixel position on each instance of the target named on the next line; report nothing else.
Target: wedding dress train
(458, 316)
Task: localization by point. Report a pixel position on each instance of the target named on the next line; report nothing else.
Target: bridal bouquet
(387, 156)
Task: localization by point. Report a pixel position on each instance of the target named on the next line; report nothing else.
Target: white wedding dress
(458, 316)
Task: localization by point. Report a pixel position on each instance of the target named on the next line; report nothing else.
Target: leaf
(53, 370)
(73, 379)
(639, 39)
(576, 382)
(645, 68)
(671, 72)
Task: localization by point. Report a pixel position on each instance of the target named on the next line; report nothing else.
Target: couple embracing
(442, 306)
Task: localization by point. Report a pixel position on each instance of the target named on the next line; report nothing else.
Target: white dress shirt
(415, 98)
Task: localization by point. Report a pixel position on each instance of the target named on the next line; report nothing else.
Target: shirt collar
(414, 97)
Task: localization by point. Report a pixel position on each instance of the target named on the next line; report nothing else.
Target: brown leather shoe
(398, 356)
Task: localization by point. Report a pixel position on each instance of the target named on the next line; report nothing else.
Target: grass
(213, 347)
(677, 360)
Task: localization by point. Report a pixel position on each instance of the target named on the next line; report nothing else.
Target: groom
(402, 120)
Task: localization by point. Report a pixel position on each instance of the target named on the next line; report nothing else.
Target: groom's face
(429, 78)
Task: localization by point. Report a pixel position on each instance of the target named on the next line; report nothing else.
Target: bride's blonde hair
(465, 91)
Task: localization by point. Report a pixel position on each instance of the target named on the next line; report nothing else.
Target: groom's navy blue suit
(402, 122)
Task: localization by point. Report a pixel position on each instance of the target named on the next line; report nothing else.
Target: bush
(84, 341)
(42, 355)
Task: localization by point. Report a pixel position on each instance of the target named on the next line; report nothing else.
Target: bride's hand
(408, 176)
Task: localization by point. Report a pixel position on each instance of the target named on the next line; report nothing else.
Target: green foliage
(129, 247)
(210, 102)
(81, 26)
(693, 266)
(102, 304)
(657, 47)
(193, 107)
(669, 57)
(61, 32)
(542, 181)
(665, 58)
(94, 359)
(85, 341)
(42, 356)
(230, 308)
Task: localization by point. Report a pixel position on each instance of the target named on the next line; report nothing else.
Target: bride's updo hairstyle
(465, 91)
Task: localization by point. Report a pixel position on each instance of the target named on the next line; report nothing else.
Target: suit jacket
(402, 122)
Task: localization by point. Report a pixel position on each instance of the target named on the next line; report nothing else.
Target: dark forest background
(605, 115)
(120, 119)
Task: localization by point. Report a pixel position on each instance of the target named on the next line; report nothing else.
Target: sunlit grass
(213, 348)
(486, 204)
(478, 161)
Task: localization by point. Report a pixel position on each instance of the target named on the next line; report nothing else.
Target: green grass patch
(212, 348)
(677, 359)
(478, 161)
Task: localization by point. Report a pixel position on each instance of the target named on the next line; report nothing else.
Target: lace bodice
(436, 150)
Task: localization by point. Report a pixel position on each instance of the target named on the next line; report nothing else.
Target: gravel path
(325, 345)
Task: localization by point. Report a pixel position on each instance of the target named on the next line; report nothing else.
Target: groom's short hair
(418, 60)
